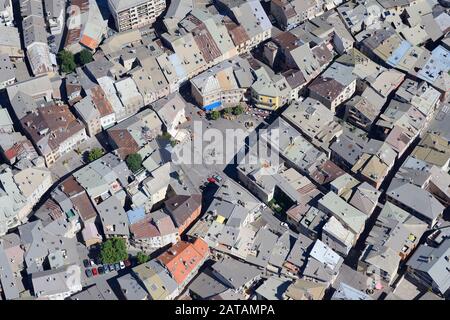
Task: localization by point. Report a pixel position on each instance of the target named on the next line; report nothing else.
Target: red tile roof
(183, 258)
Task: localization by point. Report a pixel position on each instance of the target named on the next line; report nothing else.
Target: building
(429, 267)
(314, 121)
(54, 13)
(35, 37)
(54, 131)
(222, 85)
(335, 86)
(113, 218)
(10, 42)
(269, 91)
(157, 280)
(184, 210)
(14, 209)
(184, 259)
(57, 284)
(86, 27)
(346, 292)
(7, 71)
(89, 114)
(291, 13)
(323, 264)
(337, 237)
(33, 183)
(350, 217)
(235, 274)
(6, 13)
(394, 236)
(135, 14)
(154, 231)
(171, 111)
(417, 201)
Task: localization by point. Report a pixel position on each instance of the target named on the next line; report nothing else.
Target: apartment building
(135, 13)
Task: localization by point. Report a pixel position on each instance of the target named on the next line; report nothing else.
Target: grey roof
(56, 281)
(348, 148)
(131, 288)
(53, 8)
(261, 249)
(415, 198)
(206, 286)
(168, 107)
(435, 262)
(235, 272)
(300, 251)
(346, 292)
(113, 216)
(40, 241)
(101, 290)
(6, 68)
(274, 288)
(281, 249)
(8, 281)
(87, 110)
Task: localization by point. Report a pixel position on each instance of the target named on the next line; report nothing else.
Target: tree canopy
(215, 115)
(134, 162)
(66, 61)
(84, 56)
(113, 250)
(237, 110)
(142, 257)
(94, 154)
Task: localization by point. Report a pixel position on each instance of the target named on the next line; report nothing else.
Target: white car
(284, 224)
(122, 265)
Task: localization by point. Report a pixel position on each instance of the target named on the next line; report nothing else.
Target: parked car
(217, 177)
(94, 271)
(122, 265)
(86, 263)
(101, 270)
(106, 268)
(92, 263)
(127, 263)
(211, 180)
(284, 224)
(88, 273)
(117, 266)
(111, 267)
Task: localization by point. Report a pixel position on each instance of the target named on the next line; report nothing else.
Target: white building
(6, 13)
(133, 14)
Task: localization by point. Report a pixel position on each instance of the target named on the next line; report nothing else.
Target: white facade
(135, 13)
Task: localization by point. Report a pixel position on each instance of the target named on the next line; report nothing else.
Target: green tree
(237, 110)
(142, 257)
(215, 115)
(66, 61)
(134, 162)
(94, 154)
(113, 250)
(226, 111)
(84, 56)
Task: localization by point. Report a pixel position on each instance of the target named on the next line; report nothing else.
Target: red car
(127, 263)
(211, 180)
(94, 271)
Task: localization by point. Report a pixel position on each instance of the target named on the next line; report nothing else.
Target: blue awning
(212, 106)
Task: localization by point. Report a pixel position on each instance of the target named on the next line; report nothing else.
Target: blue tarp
(212, 106)
(135, 215)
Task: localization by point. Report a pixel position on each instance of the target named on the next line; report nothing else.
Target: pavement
(207, 151)
(73, 160)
